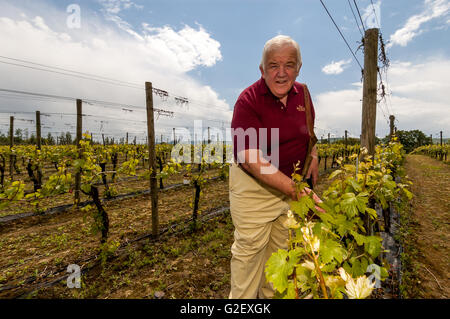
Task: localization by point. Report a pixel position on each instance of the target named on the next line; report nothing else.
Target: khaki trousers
(258, 212)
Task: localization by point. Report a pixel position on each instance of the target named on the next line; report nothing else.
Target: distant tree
(62, 139)
(350, 141)
(66, 139)
(50, 139)
(69, 138)
(4, 140)
(18, 136)
(32, 139)
(412, 139)
(353, 141)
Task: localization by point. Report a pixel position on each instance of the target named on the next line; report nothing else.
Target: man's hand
(306, 191)
(313, 170)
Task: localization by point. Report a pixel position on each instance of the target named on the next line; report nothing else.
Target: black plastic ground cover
(392, 254)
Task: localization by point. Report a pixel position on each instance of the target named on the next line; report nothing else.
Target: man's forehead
(288, 52)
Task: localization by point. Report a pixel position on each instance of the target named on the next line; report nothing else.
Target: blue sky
(210, 50)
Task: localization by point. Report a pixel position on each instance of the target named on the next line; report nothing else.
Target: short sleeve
(245, 126)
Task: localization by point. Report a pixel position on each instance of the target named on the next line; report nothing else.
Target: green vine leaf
(281, 265)
(302, 206)
(356, 186)
(372, 245)
(349, 204)
(330, 250)
(360, 239)
(408, 193)
(372, 212)
(335, 173)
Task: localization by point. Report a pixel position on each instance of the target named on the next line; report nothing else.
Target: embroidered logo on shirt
(300, 108)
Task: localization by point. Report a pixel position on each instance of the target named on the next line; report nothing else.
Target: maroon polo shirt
(258, 108)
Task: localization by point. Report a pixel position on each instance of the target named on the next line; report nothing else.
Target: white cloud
(419, 100)
(116, 6)
(337, 111)
(371, 15)
(160, 55)
(188, 47)
(428, 80)
(335, 67)
(433, 9)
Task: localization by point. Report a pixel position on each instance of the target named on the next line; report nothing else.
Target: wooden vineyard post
(152, 158)
(11, 144)
(209, 142)
(174, 137)
(391, 126)
(441, 138)
(38, 144)
(369, 105)
(345, 149)
(77, 141)
(38, 129)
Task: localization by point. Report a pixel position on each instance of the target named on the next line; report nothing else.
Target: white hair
(278, 42)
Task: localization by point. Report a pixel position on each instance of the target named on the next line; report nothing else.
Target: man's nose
(282, 71)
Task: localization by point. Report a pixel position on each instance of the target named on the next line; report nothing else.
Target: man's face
(280, 70)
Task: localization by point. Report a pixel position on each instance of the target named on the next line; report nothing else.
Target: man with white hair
(273, 119)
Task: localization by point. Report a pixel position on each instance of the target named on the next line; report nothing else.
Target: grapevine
(330, 252)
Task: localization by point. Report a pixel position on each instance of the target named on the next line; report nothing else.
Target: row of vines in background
(93, 161)
(334, 151)
(52, 171)
(28, 163)
(331, 251)
(439, 152)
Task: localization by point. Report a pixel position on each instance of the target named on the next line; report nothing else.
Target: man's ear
(262, 70)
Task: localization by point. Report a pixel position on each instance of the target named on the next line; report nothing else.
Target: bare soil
(39, 246)
(428, 238)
